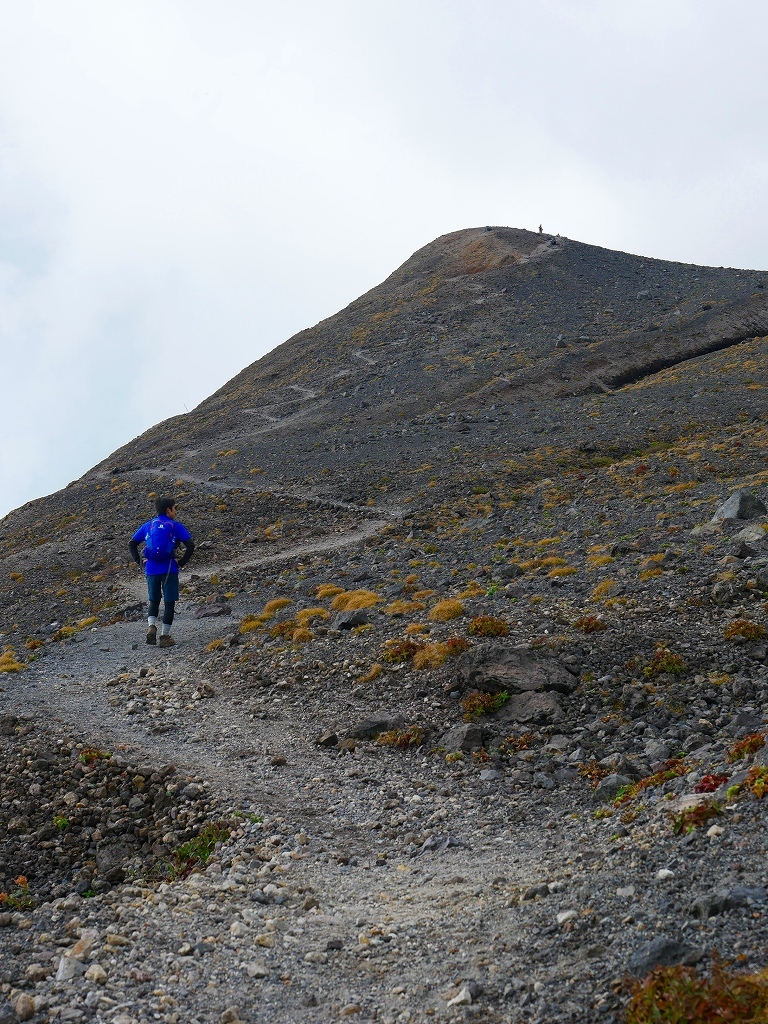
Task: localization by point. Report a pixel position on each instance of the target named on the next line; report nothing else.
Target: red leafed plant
(709, 783)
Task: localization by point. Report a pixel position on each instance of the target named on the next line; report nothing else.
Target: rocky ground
(484, 742)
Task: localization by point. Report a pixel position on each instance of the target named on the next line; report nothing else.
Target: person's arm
(133, 547)
(189, 548)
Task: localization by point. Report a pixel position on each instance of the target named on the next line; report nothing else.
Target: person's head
(166, 507)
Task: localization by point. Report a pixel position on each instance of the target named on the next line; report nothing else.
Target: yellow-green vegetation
(275, 605)
(251, 623)
(689, 820)
(450, 608)
(416, 628)
(563, 570)
(672, 769)
(678, 995)
(589, 624)
(326, 590)
(189, 856)
(403, 738)
(602, 591)
(373, 673)
(745, 630)
(401, 607)
(746, 746)
(9, 662)
(598, 561)
(19, 898)
(308, 614)
(397, 651)
(89, 755)
(664, 661)
(431, 656)
(215, 645)
(487, 625)
(350, 600)
(473, 589)
(302, 635)
(477, 704)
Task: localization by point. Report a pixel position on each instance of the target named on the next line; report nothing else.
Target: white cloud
(193, 185)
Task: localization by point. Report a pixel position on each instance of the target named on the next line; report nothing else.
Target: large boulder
(493, 667)
(740, 505)
(528, 708)
(467, 738)
(662, 952)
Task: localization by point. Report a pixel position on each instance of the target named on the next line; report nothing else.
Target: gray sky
(183, 185)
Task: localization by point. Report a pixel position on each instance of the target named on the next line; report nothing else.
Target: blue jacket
(158, 566)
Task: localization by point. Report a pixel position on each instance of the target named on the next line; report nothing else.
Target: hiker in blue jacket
(160, 536)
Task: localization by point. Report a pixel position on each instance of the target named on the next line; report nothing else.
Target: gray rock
(369, 728)
(493, 667)
(208, 611)
(727, 899)
(728, 591)
(536, 890)
(662, 952)
(489, 775)
(466, 737)
(608, 787)
(740, 505)
(539, 708)
(8, 725)
(110, 860)
(348, 620)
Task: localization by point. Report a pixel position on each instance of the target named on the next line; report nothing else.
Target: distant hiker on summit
(160, 537)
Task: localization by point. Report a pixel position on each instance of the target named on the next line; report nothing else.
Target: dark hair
(163, 504)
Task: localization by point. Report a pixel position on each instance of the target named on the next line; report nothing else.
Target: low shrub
(302, 635)
(457, 645)
(477, 704)
(678, 995)
(664, 661)
(284, 628)
(694, 817)
(744, 629)
(328, 590)
(672, 769)
(746, 746)
(514, 744)
(602, 591)
(402, 607)
(402, 738)
(487, 625)
(397, 651)
(590, 624)
(193, 854)
(593, 772)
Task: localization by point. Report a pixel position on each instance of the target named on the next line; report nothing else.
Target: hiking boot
(166, 641)
(152, 635)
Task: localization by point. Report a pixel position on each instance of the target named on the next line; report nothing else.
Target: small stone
(97, 974)
(625, 891)
(566, 915)
(350, 1009)
(310, 903)
(608, 787)
(257, 970)
(36, 972)
(25, 1007)
(230, 1016)
(315, 957)
(714, 831)
(266, 940)
(239, 929)
(664, 874)
(464, 998)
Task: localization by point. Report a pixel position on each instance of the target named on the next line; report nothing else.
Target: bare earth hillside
(466, 719)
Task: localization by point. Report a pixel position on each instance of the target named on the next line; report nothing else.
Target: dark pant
(166, 584)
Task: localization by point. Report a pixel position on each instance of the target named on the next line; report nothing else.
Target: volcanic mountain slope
(491, 359)
(458, 605)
